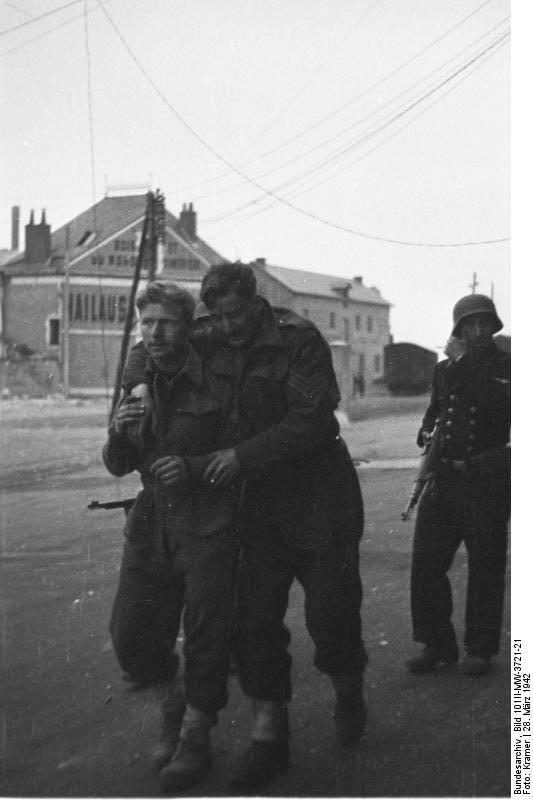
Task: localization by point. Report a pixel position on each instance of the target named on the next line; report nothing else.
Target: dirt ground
(70, 729)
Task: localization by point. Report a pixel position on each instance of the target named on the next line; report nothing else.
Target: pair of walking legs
(446, 518)
(195, 583)
(329, 574)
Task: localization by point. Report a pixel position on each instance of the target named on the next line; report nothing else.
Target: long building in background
(64, 297)
(352, 317)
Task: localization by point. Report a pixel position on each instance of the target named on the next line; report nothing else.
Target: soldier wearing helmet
(468, 499)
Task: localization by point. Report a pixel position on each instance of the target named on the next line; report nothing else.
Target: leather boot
(173, 709)
(192, 757)
(350, 708)
(268, 752)
(430, 657)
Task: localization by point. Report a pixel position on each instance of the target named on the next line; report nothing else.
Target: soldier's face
(164, 331)
(477, 331)
(235, 317)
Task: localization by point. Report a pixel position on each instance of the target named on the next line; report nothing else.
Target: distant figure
(469, 497)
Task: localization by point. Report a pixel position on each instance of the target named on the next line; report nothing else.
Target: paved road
(68, 727)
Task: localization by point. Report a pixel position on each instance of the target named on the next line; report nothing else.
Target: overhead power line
(49, 30)
(345, 151)
(264, 190)
(41, 16)
(93, 178)
(367, 91)
(316, 72)
(355, 124)
(298, 191)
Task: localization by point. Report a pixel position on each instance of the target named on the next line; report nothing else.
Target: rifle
(426, 471)
(125, 504)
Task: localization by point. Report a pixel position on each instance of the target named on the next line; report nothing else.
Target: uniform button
(447, 437)
(472, 436)
(469, 448)
(472, 422)
(451, 410)
(452, 397)
(448, 423)
(473, 409)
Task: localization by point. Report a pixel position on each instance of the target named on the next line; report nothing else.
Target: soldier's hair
(221, 279)
(171, 296)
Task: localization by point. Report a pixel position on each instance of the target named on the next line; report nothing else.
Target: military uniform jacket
(188, 422)
(299, 473)
(471, 401)
(283, 427)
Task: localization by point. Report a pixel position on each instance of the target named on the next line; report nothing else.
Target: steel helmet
(474, 304)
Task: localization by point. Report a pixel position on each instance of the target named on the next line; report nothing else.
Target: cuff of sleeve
(246, 456)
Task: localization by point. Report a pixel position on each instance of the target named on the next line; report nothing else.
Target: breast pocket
(195, 427)
(264, 393)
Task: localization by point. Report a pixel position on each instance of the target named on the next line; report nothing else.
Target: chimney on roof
(358, 279)
(187, 220)
(260, 262)
(15, 227)
(38, 240)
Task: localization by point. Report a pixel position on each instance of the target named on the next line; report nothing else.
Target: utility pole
(156, 235)
(474, 283)
(160, 221)
(152, 238)
(130, 311)
(66, 317)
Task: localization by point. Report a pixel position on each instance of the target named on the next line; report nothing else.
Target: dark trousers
(198, 580)
(446, 517)
(329, 575)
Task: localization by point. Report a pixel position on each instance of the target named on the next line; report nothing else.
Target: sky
(348, 137)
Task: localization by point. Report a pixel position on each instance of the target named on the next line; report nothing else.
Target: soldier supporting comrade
(300, 511)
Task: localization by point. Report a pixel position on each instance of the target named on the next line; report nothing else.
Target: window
(53, 331)
(111, 259)
(361, 363)
(358, 322)
(377, 363)
(346, 328)
(332, 320)
(369, 322)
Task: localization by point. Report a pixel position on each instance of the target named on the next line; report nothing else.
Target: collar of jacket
(481, 362)
(192, 368)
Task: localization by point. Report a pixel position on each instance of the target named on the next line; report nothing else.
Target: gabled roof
(7, 255)
(99, 224)
(302, 281)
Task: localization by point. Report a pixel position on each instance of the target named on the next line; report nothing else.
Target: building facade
(352, 317)
(66, 295)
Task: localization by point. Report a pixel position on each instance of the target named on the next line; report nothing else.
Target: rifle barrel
(111, 504)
